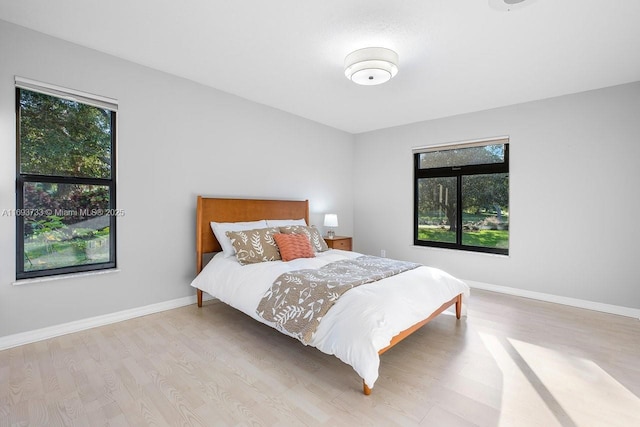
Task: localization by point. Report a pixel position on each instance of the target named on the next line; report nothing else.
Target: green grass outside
(481, 238)
(434, 218)
(41, 256)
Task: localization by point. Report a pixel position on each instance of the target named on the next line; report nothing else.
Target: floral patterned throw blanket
(297, 300)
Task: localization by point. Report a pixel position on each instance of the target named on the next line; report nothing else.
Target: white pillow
(285, 222)
(220, 229)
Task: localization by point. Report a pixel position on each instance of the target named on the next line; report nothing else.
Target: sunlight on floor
(589, 395)
(521, 404)
(550, 388)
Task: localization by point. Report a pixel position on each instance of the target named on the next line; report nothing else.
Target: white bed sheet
(362, 322)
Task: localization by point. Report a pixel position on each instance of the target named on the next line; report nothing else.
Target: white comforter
(362, 322)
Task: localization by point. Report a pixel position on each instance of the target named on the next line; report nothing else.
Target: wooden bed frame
(236, 210)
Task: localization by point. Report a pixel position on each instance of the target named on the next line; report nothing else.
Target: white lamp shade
(509, 5)
(331, 220)
(371, 65)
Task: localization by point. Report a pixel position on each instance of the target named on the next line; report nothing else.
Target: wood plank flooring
(510, 362)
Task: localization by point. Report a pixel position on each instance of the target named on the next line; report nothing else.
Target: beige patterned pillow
(317, 242)
(254, 246)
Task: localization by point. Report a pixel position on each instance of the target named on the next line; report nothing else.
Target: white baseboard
(15, 340)
(573, 302)
(29, 337)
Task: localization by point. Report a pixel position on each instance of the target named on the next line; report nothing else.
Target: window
(66, 187)
(461, 196)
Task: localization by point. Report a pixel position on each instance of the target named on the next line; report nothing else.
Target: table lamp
(331, 220)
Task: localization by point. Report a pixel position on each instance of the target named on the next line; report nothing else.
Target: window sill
(64, 276)
(462, 251)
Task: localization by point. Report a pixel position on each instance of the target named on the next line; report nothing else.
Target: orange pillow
(294, 246)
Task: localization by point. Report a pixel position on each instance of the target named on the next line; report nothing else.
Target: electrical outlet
(383, 253)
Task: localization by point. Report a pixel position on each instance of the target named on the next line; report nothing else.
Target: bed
(364, 323)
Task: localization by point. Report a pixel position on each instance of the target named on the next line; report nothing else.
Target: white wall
(574, 195)
(176, 139)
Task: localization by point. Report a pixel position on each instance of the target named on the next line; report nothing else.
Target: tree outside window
(462, 198)
(65, 205)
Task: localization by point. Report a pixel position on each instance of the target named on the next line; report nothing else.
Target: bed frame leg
(199, 298)
(365, 389)
(459, 306)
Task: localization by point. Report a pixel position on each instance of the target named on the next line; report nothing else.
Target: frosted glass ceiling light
(371, 65)
(509, 5)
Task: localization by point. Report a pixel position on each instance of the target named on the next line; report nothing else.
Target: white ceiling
(456, 56)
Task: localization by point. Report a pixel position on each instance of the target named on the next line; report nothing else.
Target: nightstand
(339, 242)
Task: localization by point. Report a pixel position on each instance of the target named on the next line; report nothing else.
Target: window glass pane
(437, 209)
(485, 210)
(63, 138)
(65, 225)
(488, 154)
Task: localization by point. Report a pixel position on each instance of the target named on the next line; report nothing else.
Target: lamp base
(331, 234)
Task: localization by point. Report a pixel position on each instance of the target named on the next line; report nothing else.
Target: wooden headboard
(234, 210)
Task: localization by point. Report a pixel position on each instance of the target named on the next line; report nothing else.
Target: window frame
(457, 172)
(25, 178)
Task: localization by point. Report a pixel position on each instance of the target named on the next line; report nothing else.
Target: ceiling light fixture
(509, 5)
(371, 65)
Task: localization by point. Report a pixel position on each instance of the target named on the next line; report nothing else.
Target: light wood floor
(511, 362)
